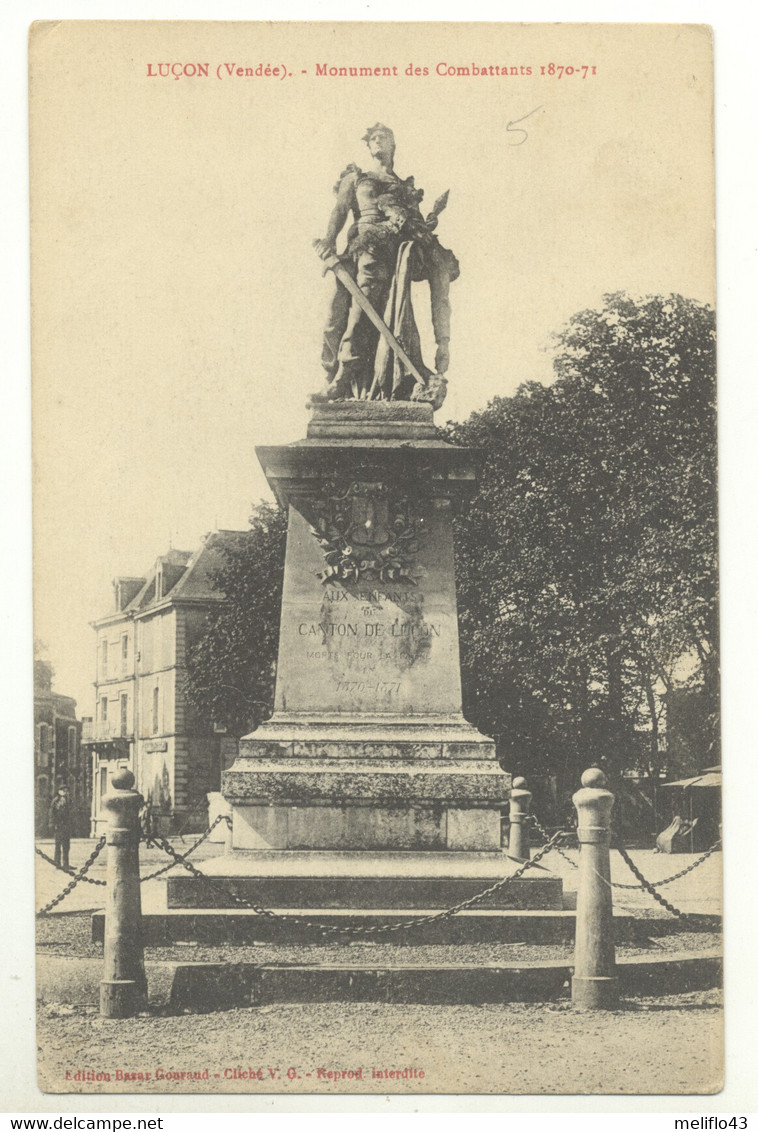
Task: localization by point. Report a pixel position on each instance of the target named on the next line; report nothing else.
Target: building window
(124, 652)
(103, 708)
(103, 781)
(156, 708)
(44, 745)
(105, 659)
(124, 713)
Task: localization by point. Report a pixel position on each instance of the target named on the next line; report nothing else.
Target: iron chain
(401, 925)
(666, 880)
(69, 872)
(629, 887)
(179, 859)
(192, 848)
(369, 929)
(683, 872)
(647, 885)
(544, 833)
(80, 875)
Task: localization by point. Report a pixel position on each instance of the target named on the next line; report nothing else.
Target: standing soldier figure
(60, 822)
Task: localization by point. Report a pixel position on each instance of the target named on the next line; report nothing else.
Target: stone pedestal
(368, 748)
(367, 751)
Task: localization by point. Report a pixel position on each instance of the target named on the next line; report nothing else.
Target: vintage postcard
(376, 679)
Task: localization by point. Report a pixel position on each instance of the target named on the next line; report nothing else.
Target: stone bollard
(594, 984)
(123, 988)
(518, 837)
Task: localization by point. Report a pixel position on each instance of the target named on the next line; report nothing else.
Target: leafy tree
(587, 563)
(230, 669)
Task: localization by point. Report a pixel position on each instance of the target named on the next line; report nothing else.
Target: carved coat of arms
(367, 529)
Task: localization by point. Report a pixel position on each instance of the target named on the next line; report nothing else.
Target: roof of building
(190, 574)
(186, 576)
(197, 581)
(146, 595)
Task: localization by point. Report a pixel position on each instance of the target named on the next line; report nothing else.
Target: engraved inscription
(326, 629)
(369, 647)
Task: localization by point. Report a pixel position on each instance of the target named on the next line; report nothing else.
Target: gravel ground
(670, 1045)
(69, 936)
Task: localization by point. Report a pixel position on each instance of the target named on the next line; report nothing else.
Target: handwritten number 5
(509, 128)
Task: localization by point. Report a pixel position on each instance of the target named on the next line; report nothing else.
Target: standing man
(147, 822)
(60, 822)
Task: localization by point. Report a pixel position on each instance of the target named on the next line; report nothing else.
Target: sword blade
(364, 303)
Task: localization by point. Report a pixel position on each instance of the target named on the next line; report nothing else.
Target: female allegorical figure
(390, 244)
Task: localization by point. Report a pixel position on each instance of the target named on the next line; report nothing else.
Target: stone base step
(216, 986)
(176, 985)
(363, 892)
(212, 926)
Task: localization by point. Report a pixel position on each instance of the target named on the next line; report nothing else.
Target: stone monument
(367, 788)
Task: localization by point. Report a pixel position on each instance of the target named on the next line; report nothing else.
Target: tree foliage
(231, 668)
(587, 569)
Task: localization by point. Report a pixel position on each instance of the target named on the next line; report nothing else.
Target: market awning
(709, 780)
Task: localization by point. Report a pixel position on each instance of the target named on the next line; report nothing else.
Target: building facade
(142, 718)
(58, 758)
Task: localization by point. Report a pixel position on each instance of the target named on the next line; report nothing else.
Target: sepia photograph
(377, 728)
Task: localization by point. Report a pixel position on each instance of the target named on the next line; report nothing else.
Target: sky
(177, 300)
